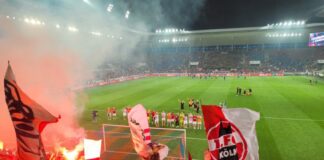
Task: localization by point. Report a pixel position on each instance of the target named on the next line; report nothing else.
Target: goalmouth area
(117, 141)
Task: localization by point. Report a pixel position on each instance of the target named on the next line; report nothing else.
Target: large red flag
(29, 119)
(231, 133)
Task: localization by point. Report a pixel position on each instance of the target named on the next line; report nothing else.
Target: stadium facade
(234, 39)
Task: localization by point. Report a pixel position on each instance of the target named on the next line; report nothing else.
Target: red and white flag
(29, 119)
(141, 135)
(140, 130)
(231, 133)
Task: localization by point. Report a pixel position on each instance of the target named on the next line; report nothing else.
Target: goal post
(117, 141)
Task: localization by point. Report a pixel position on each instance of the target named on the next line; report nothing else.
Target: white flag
(141, 135)
(140, 130)
(92, 149)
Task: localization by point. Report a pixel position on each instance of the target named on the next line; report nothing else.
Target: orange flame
(71, 154)
(1, 145)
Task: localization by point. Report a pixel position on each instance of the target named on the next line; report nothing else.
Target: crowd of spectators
(287, 60)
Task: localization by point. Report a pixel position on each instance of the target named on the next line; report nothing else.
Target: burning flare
(62, 153)
(1, 145)
(72, 154)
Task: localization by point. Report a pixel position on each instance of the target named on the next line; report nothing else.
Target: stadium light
(73, 29)
(290, 23)
(57, 26)
(32, 21)
(127, 14)
(280, 35)
(26, 20)
(37, 22)
(110, 7)
(96, 33)
(87, 2)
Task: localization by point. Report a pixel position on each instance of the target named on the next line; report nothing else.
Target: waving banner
(231, 133)
(29, 120)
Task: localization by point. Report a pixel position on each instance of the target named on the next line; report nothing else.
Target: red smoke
(46, 70)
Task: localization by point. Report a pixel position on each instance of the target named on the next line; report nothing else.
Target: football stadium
(161, 79)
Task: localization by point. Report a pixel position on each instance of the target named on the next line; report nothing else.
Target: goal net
(117, 142)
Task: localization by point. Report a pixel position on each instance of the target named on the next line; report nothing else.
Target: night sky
(249, 13)
(214, 14)
(187, 14)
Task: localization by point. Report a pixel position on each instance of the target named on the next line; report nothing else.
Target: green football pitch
(292, 110)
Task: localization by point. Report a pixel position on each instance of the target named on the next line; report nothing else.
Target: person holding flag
(141, 136)
(230, 133)
(29, 119)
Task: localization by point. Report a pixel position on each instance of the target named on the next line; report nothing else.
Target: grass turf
(292, 110)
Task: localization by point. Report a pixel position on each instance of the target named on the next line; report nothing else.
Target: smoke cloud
(49, 61)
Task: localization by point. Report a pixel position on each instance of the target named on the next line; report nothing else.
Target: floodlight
(73, 29)
(87, 2)
(127, 14)
(32, 21)
(26, 20)
(290, 23)
(96, 33)
(57, 26)
(110, 7)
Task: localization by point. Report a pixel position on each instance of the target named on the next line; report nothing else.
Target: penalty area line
(293, 119)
